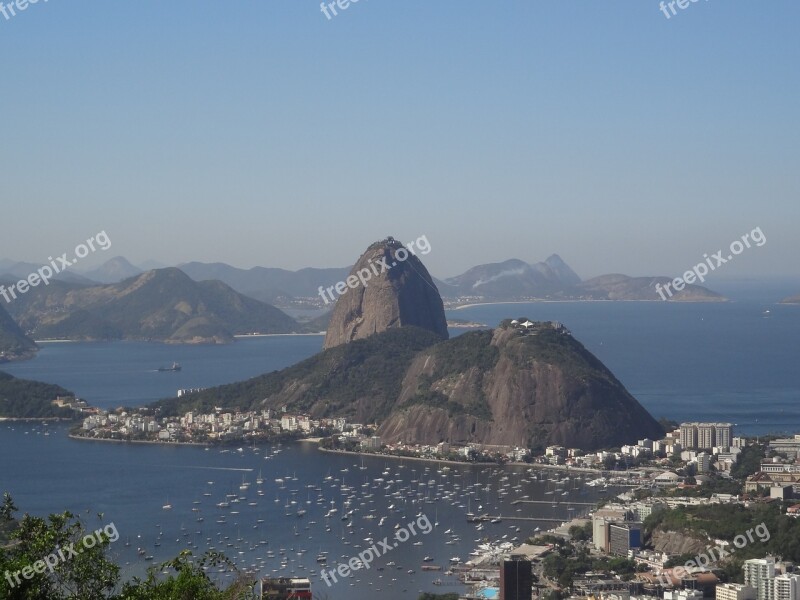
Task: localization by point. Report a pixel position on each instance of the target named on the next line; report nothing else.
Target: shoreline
(258, 335)
(36, 419)
(236, 336)
(477, 464)
(156, 442)
(546, 301)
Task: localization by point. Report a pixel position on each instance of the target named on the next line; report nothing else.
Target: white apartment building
(787, 587)
(735, 591)
(759, 574)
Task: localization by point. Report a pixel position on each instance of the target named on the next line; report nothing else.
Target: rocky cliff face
(518, 386)
(14, 344)
(389, 287)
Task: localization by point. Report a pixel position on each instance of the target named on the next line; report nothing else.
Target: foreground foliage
(91, 575)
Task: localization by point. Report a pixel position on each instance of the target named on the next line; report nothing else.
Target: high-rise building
(723, 434)
(787, 587)
(689, 435)
(516, 579)
(704, 436)
(623, 537)
(759, 573)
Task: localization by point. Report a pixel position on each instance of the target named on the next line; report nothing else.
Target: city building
(601, 519)
(516, 579)
(789, 446)
(759, 574)
(642, 510)
(787, 587)
(285, 588)
(371, 443)
(623, 537)
(703, 462)
(735, 591)
(705, 436)
(683, 595)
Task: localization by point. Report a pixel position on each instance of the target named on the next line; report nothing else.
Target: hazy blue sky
(262, 133)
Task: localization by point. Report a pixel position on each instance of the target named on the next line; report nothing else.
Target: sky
(265, 133)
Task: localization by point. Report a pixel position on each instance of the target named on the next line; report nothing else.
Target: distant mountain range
(211, 302)
(511, 280)
(268, 284)
(161, 305)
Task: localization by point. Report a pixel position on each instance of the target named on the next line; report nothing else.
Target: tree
(190, 581)
(85, 574)
(7, 509)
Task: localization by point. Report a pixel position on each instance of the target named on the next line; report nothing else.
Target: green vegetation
(581, 533)
(91, 575)
(668, 424)
(469, 350)
(569, 562)
(779, 535)
(80, 324)
(23, 399)
(551, 347)
(429, 596)
(749, 461)
(159, 305)
(452, 359)
(331, 383)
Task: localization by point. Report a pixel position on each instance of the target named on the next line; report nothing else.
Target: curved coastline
(156, 442)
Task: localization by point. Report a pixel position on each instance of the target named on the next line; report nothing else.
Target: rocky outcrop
(677, 543)
(523, 386)
(388, 287)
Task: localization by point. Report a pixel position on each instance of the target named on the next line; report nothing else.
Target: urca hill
(525, 383)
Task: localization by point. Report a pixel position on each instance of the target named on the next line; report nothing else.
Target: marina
(311, 510)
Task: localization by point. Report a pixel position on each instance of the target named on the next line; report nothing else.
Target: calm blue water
(126, 373)
(692, 361)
